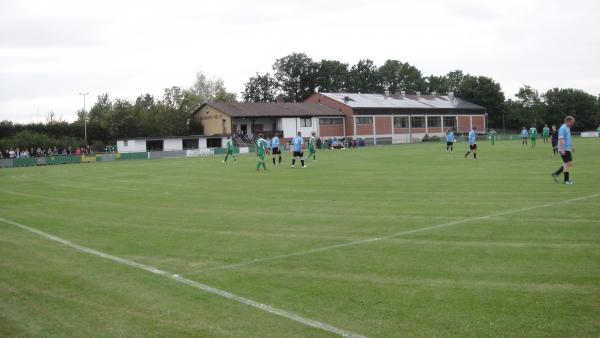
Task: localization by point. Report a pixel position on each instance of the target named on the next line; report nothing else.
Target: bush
(31, 139)
(98, 146)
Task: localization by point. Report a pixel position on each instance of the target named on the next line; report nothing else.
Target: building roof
(402, 101)
(270, 109)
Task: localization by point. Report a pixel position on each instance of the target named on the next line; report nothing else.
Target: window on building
(450, 121)
(330, 121)
(305, 122)
(190, 143)
(364, 120)
(125, 143)
(417, 121)
(214, 142)
(434, 121)
(400, 121)
(155, 145)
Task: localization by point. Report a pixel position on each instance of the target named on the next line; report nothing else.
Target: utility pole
(84, 118)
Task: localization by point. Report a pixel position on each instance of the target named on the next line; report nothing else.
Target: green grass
(530, 274)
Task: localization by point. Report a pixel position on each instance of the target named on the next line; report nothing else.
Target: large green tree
(364, 78)
(397, 76)
(332, 76)
(581, 105)
(260, 88)
(296, 75)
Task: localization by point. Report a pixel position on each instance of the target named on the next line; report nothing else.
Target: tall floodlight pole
(84, 117)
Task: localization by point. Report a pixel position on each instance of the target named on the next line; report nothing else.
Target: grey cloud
(44, 32)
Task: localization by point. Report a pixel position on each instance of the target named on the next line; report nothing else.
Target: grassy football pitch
(498, 248)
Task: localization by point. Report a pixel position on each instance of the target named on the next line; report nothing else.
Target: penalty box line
(203, 287)
(394, 235)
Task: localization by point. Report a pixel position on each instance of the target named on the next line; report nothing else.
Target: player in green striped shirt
(230, 150)
(261, 151)
(545, 133)
(492, 134)
(312, 146)
(533, 136)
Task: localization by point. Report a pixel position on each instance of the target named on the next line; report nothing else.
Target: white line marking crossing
(397, 234)
(264, 307)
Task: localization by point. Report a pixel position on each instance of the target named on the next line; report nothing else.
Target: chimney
(279, 99)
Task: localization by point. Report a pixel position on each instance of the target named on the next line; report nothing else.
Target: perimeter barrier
(73, 159)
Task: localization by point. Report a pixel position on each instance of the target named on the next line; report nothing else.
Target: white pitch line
(397, 234)
(264, 307)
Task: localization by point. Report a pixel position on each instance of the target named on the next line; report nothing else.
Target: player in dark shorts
(554, 139)
(297, 143)
(565, 149)
(472, 143)
(275, 150)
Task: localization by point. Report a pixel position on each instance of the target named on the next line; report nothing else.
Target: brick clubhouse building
(376, 118)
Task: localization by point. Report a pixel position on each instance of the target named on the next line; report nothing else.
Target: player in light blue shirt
(472, 143)
(450, 139)
(297, 143)
(566, 149)
(524, 136)
(275, 151)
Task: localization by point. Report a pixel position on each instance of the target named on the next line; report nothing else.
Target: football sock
(302, 161)
(559, 171)
(258, 165)
(279, 158)
(566, 176)
(475, 155)
(293, 161)
(467, 154)
(264, 165)
(273, 160)
(226, 157)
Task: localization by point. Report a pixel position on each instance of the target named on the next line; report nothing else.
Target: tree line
(296, 77)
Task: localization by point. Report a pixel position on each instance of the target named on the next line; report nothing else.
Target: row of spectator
(39, 152)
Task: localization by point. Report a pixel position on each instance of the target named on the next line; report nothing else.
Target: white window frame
(303, 122)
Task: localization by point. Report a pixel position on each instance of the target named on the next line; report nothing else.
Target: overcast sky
(52, 50)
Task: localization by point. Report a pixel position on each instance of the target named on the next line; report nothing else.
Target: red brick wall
(324, 100)
(434, 129)
(364, 129)
(400, 130)
(479, 122)
(464, 124)
(383, 125)
(331, 130)
(418, 130)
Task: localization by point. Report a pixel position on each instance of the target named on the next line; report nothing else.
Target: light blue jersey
(450, 137)
(275, 142)
(524, 133)
(472, 137)
(564, 133)
(297, 142)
